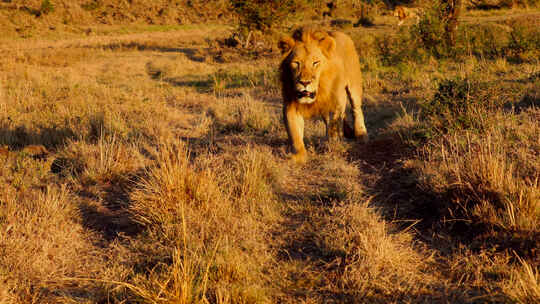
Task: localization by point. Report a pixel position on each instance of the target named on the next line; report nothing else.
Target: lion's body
(319, 73)
(403, 13)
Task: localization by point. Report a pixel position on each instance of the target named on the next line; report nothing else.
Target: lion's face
(306, 63)
(399, 12)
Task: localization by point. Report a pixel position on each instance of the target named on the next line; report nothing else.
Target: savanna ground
(166, 177)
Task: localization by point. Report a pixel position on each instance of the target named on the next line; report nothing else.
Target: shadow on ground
(104, 205)
(213, 51)
(194, 54)
(108, 213)
(222, 83)
(402, 199)
(19, 137)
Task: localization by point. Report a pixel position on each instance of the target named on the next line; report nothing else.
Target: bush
(432, 30)
(458, 104)
(367, 16)
(524, 42)
(263, 15)
(394, 49)
(519, 42)
(487, 41)
(46, 7)
(516, 40)
(428, 38)
(497, 4)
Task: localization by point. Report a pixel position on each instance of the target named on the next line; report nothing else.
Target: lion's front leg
(294, 122)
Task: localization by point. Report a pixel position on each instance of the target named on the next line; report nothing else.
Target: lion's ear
(285, 44)
(327, 44)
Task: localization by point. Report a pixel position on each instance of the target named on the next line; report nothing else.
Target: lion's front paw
(362, 137)
(299, 158)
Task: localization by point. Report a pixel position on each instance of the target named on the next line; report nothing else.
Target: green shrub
(367, 15)
(524, 42)
(459, 104)
(487, 41)
(394, 49)
(452, 96)
(263, 15)
(421, 41)
(431, 30)
(91, 5)
(46, 7)
(517, 40)
(450, 107)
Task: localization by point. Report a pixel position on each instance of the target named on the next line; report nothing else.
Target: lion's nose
(304, 82)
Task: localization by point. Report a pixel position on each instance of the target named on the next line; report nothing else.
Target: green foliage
(393, 49)
(421, 41)
(431, 31)
(263, 15)
(517, 41)
(524, 42)
(452, 97)
(367, 16)
(46, 7)
(91, 5)
(486, 40)
(458, 104)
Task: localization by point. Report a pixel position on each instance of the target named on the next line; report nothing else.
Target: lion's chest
(323, 105)
(328, 100)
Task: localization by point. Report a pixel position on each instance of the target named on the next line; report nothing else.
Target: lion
(403, 13)
(320, 71)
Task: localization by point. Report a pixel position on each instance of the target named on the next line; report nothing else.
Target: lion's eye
(316, 63)
(295, 64)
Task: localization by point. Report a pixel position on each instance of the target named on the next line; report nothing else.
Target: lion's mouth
(305, 93)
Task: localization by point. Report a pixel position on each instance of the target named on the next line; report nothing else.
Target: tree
(452, 10)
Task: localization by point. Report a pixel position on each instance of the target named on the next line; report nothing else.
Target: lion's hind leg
(355, 98)
(335, 119)
(348, 132)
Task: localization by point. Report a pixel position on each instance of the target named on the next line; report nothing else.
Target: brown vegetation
(147, 164)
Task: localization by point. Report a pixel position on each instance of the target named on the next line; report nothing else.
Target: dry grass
(166, 181)
(491, 177)
(55, 19)
(212, 221)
